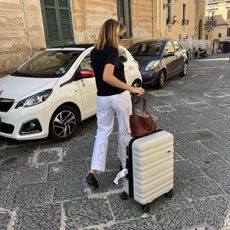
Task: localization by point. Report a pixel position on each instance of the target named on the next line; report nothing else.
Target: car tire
(161, 79)
(136, 98)
(184, 69)
(64, 123)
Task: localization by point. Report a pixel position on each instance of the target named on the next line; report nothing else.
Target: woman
(112, 95)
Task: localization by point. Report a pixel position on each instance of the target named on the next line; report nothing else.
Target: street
(42, 183)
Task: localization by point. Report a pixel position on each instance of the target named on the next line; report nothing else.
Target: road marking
(220, 95)
(162, 93)
(214, 59)
(221, 76)
(194, 75)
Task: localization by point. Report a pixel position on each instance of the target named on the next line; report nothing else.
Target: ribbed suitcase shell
(152, 166)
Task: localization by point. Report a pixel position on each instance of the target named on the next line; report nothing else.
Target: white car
(52, 92)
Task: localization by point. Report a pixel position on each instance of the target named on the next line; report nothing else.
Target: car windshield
(146, 49)
(49, 64)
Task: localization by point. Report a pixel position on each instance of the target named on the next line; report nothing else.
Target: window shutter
(63, 3)
(65, 25)
(228, 14)
(228, 32)
(52, 27)
(49, 2)
(127, 18)
(57, 22)
(124, 15)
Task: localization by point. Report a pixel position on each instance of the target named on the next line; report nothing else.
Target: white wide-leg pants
(107, 106)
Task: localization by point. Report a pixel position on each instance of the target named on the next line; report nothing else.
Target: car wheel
(184, 70)
(64, 123)
(135, 97)
(161, 80)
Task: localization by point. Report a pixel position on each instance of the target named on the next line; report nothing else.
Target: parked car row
(55, 90)
(159, 60)
(52, 92)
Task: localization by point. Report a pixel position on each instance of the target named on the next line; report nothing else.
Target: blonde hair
(109, 33)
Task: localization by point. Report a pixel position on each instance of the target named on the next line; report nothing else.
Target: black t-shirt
(99, 58)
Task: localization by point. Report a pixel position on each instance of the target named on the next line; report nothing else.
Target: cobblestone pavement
(42, 184)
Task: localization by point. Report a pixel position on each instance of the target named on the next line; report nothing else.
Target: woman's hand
(137, 90)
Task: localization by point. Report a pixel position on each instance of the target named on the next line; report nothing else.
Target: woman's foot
(91, 180)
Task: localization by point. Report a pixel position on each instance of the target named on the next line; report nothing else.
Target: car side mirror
(123, 59)
(169, 54)
(86, 73)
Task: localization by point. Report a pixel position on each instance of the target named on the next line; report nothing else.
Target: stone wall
(21, 32)
(88, 16)
(142, 15)
(177, 30)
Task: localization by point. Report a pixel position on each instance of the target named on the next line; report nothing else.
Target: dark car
(159, 60)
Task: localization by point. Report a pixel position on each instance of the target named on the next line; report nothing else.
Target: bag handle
(144, 105)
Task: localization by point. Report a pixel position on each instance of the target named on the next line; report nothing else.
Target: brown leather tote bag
(141, 123)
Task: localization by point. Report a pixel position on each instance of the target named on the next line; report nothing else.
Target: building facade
(217, 25)
(28, 26)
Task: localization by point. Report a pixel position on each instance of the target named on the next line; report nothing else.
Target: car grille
(5, 104)
(6, 128)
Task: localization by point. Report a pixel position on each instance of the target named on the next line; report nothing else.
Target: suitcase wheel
(169, 194)
(124, 196)
(146, 207)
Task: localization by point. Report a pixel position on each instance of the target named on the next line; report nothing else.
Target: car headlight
(151, 65)
(34, 99)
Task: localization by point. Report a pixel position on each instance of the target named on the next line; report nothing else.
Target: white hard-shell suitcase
(149, 162)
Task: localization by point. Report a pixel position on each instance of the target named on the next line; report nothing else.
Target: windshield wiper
(21, 74)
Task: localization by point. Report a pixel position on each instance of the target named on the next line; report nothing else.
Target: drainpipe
(73, 22)
(152, 19)
(84, 18)
(26, 27)
(161, 18)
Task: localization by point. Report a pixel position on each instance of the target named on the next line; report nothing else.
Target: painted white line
(221, 76)
(194, 75)
(214, 59)
(213, 95)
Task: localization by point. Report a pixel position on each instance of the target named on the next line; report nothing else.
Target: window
(49, 64)
(219, 35)
(228, 32)
(211, 1)
(228, 15)
(86, 63)
(211, 16)
(147, 48)
(177, 46)
(124, 16)
(200, 32)
(168, 48)
(122, 55)
(169, 18)
(57, 22)
(184, 12)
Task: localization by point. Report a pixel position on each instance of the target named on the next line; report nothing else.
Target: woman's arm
(109, 78)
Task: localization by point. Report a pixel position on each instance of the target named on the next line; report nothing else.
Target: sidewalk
(43, 187)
